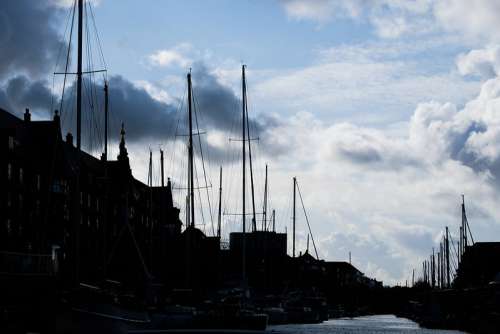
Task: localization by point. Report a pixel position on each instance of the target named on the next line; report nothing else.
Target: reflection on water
(382, 324)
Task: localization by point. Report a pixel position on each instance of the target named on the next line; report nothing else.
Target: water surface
(379, 324)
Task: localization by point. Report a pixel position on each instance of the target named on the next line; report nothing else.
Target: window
(9, 227)
(9, 199)
(20, 201)
(9, 171)
(11, 143)
(88, 201)
(21, 175)
(38, 182)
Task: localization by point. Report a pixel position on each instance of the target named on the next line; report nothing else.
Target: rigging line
(203, 165)
(453, 248)
(210, 192)
(199, 195)
(254, 223)
(228, 158)
(97, 36)
(468, 228)
(178, 118)
(307, 220)
(67, 57)
(59, 53)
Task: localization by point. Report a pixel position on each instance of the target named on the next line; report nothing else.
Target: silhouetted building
(124, 227)
(480, 265)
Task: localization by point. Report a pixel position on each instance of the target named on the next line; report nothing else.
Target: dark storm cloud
(30, 45)
(219, 103)
(20, 92)
(143, 116)
(29, 41)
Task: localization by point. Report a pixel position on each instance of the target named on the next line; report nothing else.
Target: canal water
(378, 324)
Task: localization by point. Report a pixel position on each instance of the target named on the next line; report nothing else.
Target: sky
(386, 111)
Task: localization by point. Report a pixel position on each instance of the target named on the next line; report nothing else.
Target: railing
(27, 264)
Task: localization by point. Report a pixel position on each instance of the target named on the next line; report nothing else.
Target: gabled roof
(8, 120)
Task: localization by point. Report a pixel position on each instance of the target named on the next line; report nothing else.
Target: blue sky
(277, 44)
(385, 110)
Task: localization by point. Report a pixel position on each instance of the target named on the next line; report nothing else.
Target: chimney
(27, 115)
(56, 116)
(69, 138)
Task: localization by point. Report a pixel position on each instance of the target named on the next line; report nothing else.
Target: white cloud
(476, 18)
(176, 56)
(394, 18)
(483, 62)
(384, 195)
(372, 83)
(155, 91)
(390, 18)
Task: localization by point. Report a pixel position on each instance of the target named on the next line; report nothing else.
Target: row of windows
(89, 201)
(10, 176)
(20, 202)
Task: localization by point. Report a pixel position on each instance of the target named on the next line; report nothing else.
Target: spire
(123, 155)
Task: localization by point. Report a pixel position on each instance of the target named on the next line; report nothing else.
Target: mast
(464, 225)
(150, 184)
(293, 226)
(79, 78)
(243, 97)
(274, 220)
(78, 194)
(150, 169)
(264, 219)
(219, 218)
(106, 118)
(460, 244)
(254, 219)
(162, 170)
(190, 149)
(447, 246)
(433, 266)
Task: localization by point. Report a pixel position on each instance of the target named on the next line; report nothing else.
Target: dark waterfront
(361, 325)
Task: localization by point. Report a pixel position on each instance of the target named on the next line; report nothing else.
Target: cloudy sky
(385, 110)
